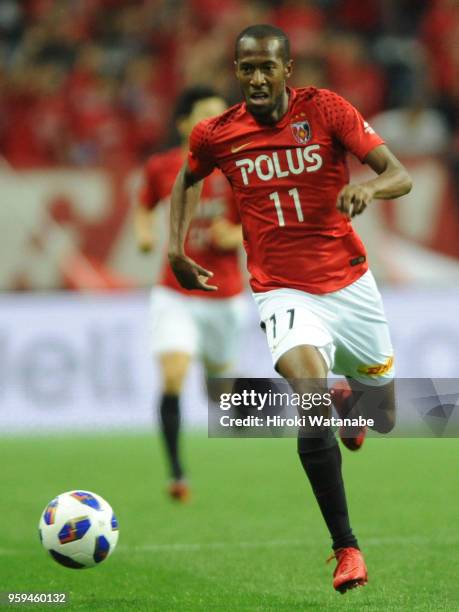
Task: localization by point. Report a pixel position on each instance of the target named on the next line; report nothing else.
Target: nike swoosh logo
(242, 146)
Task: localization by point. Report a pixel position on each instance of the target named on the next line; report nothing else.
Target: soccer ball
(78, 529)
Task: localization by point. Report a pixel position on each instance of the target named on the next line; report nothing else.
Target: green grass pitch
(251, 538)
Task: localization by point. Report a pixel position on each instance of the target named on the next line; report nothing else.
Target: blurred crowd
(92, 82)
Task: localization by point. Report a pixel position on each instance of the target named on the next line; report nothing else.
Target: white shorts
(206, 328)
(348, 327)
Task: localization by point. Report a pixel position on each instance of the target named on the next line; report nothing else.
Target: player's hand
(353, 199)
(189, 274)
(225, 235)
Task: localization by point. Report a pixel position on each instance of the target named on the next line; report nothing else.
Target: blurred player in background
(284, 153)
(186, 324)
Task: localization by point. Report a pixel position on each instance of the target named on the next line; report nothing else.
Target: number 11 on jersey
(277, 203)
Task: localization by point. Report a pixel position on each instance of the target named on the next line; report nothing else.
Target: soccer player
(187, 324)
(284, 152)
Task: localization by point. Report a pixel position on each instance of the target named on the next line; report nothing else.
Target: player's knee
(173, 379)
(301, 362)
(174, 368)
(173, 383)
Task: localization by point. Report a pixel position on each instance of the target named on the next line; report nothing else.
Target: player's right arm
(184, 201)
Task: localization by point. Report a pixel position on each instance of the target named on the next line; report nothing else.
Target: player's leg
(174, 368)
(364, 354)
(302, 350)
(376, 402)
(319, 452)
(174, 343)
(221, 323)
(320, 457)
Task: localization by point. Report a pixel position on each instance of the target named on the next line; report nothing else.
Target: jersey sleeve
(149, 195)
(348, 125)
(200, 159)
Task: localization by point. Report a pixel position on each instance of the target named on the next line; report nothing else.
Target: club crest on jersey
(301, 131)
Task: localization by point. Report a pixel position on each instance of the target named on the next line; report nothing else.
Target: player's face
(262, 73)
(202, 109)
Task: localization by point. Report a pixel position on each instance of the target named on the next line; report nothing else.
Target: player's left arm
(392, 181)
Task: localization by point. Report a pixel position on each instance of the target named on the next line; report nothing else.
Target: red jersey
(216, 201)
(286, 178)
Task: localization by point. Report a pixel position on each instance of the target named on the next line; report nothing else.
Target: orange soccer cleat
(350, 571)
(179, 490)
(351, 437)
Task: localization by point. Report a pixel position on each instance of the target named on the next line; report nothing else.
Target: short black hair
(189, 97)
(264, 30)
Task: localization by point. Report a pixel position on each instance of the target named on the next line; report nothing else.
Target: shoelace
(331, 557)
(336, 556)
